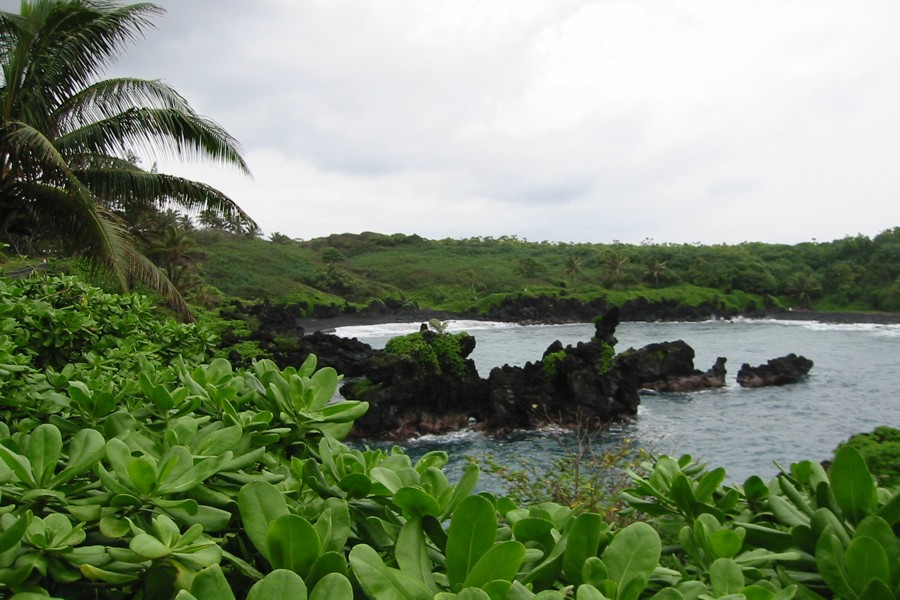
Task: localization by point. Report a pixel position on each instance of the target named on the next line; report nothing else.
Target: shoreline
(329, 324)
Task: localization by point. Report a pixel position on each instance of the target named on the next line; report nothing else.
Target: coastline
(329, 324)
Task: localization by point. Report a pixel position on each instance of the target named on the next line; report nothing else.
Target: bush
(881, 449)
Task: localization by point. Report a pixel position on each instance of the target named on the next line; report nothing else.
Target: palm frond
(72, 213)
(110, 97)
(119, 187)
(158, 132)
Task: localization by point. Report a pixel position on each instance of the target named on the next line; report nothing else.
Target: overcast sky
(562, 120)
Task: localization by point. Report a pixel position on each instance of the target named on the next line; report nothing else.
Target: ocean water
(852, 388)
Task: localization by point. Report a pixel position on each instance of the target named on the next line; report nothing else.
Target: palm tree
(656, 270)
(67, 170)
(616, 263)
(572, 267)
(173, 250)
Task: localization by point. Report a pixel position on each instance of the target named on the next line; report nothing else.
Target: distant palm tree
(616, 263)
(173, 250)
(572, 267)
(804, 287)
(66, 136)
(657, 269)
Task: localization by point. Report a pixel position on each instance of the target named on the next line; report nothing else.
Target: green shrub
(881, 449)
(133, 471)
(551, 362)
(431, 349)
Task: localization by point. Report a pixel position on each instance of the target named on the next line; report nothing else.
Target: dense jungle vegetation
(469, 275)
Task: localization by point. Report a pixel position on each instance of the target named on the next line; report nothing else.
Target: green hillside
(851, 274)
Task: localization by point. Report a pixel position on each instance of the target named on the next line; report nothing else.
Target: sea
(852, 388)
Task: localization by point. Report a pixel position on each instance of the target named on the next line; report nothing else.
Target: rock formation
(669, 367)
(778, 371)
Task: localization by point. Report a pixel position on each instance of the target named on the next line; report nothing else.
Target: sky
(676, 121)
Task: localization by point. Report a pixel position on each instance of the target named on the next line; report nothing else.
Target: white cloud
(575, 120)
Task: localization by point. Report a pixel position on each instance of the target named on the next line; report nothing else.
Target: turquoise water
(852, 388)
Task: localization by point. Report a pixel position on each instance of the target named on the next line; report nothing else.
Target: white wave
(395, 329)
(889, 329)
(446, 438)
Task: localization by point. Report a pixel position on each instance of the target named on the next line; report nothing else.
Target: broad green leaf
(587, 531)
(219, 441)
(148, 546)
(387, 478)
(473, 529)
(683, 496)
(436, 458)
(44, 450)
(415, 502)
(866, 561)
(852, 484)
(86, 448)
(879, 530)
(830, 560)
(588, 592)
(280, 584)
(18, 464)
(726, 543)
(668, 593)
(461, 490)
(757, 592)
(356, 485)
(709, 483)
(292, 544)
(326, 564)
(517, 591)
(594, 571)
(324, 382)
(333, 525)
(142, 475)
(11, 536)
(97, 574)
(411, 553)
(787, 513)
(473, 594)
(498, 590)
(380, 532)
(343, 412)
(196, 474)
(890, 512)
(532, 529)
(260, 503)
(500, 562)
(633, 553)
(877, 590)
(726, 577)
(333, 586)
(377, 579)
(210, 584)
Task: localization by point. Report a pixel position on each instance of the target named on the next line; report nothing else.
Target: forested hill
(853, 274)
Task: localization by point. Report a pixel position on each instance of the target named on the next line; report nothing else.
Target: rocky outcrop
(669, 367)
(554, 309)
(574, 385)
(778, 371)
(410, 395)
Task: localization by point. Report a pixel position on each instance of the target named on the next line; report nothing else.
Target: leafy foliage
(881, 450)
(476, 274)
(431, 348)
(171, 477)
(69, 176)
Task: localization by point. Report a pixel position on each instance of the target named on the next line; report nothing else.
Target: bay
(851, 389)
